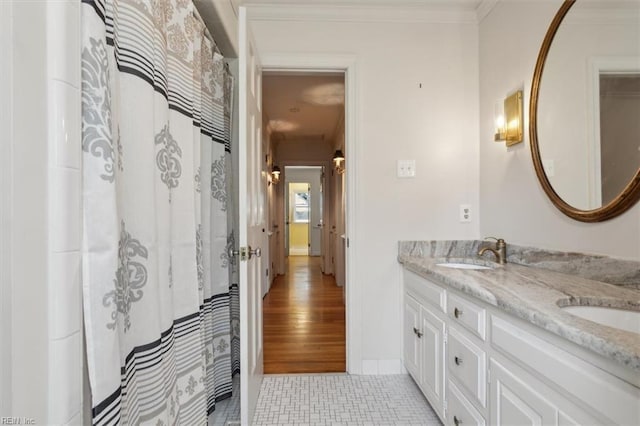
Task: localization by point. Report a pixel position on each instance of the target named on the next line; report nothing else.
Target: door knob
(245, 252)
(257, 252)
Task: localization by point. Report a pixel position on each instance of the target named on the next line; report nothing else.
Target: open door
(252, 221)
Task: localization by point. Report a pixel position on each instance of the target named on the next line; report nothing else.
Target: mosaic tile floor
(227, 412)
(340, 399)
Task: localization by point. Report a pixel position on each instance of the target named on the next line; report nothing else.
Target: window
(301, 207)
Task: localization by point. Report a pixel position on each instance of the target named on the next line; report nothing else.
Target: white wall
(43, 211)
(513, 204)
(6, 156)
(338, 213)
(437, 125)
(28, 209)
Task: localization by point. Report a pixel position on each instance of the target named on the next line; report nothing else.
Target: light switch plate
(406, 168)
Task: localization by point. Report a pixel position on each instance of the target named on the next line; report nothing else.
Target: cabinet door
(411, 341)
(515, 402)
(432, 377)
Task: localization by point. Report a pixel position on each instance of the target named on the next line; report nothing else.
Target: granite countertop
(533, 294)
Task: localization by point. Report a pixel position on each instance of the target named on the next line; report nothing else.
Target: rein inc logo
(17, 421)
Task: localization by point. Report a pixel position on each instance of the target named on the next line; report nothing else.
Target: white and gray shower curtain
(156, 109)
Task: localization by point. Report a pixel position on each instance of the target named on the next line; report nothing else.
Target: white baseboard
(382, 367)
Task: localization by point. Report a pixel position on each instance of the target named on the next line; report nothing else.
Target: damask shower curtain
(156, 111)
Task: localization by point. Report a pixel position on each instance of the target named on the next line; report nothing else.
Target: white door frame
(600, 65)
(290, 163)
(310, 62)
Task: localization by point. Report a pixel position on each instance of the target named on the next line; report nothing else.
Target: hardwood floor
(304, 321)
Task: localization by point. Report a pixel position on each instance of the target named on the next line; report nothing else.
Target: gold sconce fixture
(509, 120)
(275, 175)
(338, 161)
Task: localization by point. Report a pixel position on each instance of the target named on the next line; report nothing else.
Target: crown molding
(351, 13)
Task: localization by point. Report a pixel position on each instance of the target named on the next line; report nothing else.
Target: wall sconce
(338, 161)
(275, 175)
(508, 120)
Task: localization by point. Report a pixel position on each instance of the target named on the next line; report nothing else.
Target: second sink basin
(617, 318)
(458, 265)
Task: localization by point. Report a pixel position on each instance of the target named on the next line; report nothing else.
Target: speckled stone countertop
(532, 294)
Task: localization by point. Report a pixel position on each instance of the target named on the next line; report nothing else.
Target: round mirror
(585, 109)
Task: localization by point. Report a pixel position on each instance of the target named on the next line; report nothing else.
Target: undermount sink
(458, 265)
(617, 318)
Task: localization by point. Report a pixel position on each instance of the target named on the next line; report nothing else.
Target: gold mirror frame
(631, 193)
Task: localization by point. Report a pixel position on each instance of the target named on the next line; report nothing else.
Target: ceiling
(303, 106)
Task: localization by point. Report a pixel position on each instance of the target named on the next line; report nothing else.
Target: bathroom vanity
(493, 344)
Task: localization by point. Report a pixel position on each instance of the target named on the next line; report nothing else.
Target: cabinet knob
(457, 360)
(417, 332)
(457, 421)
(457, 312)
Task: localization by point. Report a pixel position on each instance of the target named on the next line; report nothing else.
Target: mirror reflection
(589, 103)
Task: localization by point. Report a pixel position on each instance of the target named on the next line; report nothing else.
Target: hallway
(304, 321)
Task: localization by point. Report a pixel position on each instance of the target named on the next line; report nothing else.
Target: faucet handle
(499, 241)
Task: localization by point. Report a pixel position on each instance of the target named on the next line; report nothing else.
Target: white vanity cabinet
(478, 365)
(423, 335)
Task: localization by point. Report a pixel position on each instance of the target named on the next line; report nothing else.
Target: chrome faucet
(500, 250)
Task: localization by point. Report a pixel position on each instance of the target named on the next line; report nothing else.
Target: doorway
(304, 315)
(298, 215)
(304, 202)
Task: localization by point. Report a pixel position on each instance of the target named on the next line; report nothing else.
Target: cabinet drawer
(424, 290)
(595, 389)
(467, 363)
(517, 398)
(467, 314)
(459, 410)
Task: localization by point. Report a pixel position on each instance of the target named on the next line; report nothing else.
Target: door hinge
(444, 414)
(445, 336)
(347, 243)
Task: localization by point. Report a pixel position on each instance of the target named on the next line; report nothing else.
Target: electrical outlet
(406, 168)
(465, 213)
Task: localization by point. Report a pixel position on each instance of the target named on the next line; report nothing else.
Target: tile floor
(227, 412)
(340, 399)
